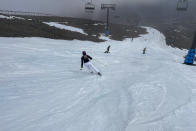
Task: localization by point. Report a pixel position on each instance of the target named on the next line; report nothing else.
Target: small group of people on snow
(85, 60)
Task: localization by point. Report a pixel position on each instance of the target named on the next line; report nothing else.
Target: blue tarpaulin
(190, 57)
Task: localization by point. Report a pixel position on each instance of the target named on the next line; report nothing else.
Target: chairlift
(89, 7)
(182, 5)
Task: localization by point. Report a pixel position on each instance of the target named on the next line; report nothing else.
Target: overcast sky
(75, 8)
(67, 7)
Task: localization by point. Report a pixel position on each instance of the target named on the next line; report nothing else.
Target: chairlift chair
(182, 5)
(89, 7)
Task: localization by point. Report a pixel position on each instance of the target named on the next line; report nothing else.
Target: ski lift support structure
(108, 7)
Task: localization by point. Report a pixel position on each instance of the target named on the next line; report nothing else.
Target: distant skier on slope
(85, 59)
(144, 50)
(108, 49)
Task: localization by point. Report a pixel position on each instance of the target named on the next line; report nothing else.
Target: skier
(85, 59)
(144, 50)
(108, 49)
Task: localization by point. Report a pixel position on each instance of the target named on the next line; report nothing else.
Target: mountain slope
(35, 26)
(42, 87)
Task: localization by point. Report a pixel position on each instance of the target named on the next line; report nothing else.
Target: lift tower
(108, 7)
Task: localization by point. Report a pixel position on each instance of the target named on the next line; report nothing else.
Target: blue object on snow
(107, 32)
(190, 57)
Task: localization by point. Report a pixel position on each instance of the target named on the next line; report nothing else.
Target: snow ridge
(65, 27)
(10, 17)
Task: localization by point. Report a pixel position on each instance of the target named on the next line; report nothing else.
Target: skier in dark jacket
(144, 50)
(108, 49)
(85, 60)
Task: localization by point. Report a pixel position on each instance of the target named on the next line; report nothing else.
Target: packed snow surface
(43, 89)
(65, 27)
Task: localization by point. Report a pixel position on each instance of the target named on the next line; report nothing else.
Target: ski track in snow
(42, 88)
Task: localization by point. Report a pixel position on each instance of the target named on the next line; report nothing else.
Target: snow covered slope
(43, 89)
(65, 27)
(10, 17)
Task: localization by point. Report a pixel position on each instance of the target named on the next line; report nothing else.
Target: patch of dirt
(33, 26)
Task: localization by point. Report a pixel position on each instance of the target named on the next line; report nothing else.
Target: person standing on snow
(85, 59)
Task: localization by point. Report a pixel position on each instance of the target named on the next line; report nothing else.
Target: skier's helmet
(84, 52)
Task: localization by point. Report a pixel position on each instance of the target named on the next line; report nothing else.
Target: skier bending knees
(85, 59)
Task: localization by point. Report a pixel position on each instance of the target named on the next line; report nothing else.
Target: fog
(125, 9)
